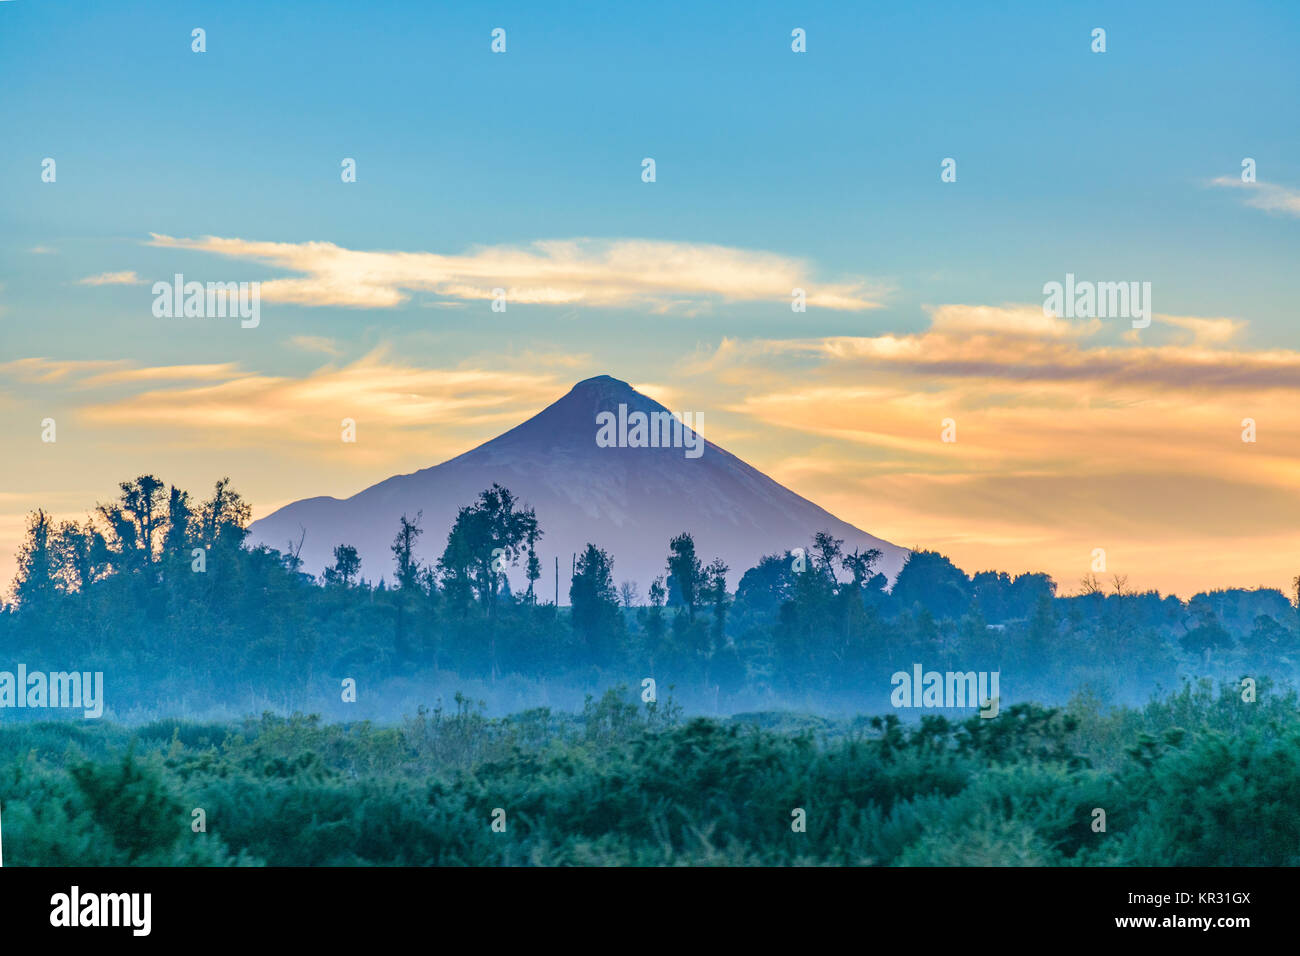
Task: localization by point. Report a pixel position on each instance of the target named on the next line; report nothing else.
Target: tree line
(165, 584)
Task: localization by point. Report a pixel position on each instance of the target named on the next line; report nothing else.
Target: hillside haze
(629, 501)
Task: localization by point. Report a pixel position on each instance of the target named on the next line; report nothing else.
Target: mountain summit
(627, 500)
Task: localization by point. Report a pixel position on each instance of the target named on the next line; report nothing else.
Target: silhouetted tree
(827, 550)
(685, 573)
(596, 618)
(408, 565)
(932, 581)
(37, 563)
(346, 566)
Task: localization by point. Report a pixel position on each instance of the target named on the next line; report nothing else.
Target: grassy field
(1197, 778)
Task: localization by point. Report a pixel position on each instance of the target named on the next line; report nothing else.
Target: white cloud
(660, 275)
(316, 343)
(1009, 320)
(1268, 196)
(1205, 331)
(112, 278)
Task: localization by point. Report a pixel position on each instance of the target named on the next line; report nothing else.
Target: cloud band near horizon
(660, 275)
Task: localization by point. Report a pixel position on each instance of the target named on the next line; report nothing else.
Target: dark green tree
(403, 548)
(685, 574)
(346, 566)
(597, 620)
(36, 580)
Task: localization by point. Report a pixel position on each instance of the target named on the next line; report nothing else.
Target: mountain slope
(629, 501)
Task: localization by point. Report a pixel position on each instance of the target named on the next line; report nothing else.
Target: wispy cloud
(1262, 195)
(316, 343)
(387, 398)
(1203, 331)
(112, 278)
(163, 373)
(662, 276)
(94, 373)
(1010, 344)
(1012, 320)
(46, 371)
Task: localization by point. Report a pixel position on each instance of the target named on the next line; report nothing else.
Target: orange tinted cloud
(112, 278)
(1062, 445)
(385, 397)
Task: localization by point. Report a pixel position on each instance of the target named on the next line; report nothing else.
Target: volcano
(627, 500)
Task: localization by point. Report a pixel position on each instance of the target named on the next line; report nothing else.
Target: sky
(774, 170)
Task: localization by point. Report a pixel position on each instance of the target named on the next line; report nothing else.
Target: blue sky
(1097, 164)
(832, 155)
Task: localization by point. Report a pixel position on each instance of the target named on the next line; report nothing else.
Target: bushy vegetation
(815, 628)
(1193, 779)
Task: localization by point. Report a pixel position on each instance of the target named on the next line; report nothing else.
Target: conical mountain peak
(570, 422)
(626, 499)
(604, 392)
